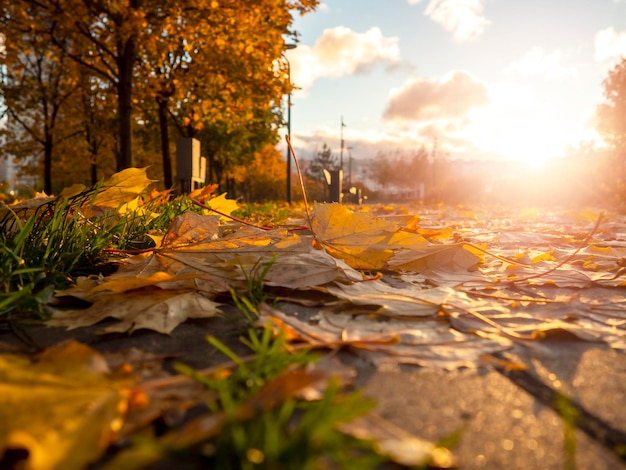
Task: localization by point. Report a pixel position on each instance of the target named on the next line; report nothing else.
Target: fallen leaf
(122, 187)
(435, 258)
(119, 285)
(152, 308)
(308, 270)
(363, 241)
(223, 205)
(190, 228)
(393, 301)
(62, 408)
(383, 340)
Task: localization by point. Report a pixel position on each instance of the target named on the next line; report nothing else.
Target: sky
(484, 79)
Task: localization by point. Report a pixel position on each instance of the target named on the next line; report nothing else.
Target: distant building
(456, 175)
(12, 180)
(7, 174)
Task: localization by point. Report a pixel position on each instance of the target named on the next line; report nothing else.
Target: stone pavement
(505, 417)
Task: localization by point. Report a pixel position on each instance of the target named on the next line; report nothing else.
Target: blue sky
(489, 79)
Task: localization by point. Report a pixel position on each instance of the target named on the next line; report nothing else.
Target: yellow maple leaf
(190, 228)
(73, 190)
(546, 256)
(360, 239)
(24, 209)
(122, 187)
(125, 284)
(63, 409)
(223, 205)
(204, 193)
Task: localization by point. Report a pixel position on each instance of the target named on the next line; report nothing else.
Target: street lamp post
(349, 149)
(288, 157)
(342, 142)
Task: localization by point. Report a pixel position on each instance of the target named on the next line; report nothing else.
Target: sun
(531, 134)
(533, 142)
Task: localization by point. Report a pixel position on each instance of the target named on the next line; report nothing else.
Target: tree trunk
(126, 56)
(47, 164)
(211, 167)
(165, 144)
(94, 171)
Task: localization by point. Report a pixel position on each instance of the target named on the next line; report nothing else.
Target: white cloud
(463, 18)
(475, 120)
(341, 51)
(452, 96)
(610, 45)
(536, 62)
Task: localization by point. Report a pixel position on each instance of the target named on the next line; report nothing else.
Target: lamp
(288, 47)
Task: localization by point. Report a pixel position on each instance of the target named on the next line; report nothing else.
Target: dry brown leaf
(190, 228)
(308, 270)
(381, 340)
(153, 308)
(435, 258)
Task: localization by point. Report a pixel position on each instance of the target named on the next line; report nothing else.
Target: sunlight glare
(533, 142)
(517, 126)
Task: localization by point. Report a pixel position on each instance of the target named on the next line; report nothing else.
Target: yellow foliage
(263, 178)
(361, 240)
(120, 188)
(223, 205)
(80, 407)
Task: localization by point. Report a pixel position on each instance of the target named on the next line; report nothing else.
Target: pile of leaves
(424, 291)
(443, 287)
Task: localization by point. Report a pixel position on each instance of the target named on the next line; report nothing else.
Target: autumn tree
(418, 167)
(91, 105)
(402, 169)
(165, 63)
(383, 170)
(611, 114)
(104, 38)
(322, 160)
(263, 178)
(35, 83)
(227, 149)
(209, 64)
(233, 77)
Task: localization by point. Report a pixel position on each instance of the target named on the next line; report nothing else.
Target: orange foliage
(264, 177)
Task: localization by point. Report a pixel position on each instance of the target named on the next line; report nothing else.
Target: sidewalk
(505, 417)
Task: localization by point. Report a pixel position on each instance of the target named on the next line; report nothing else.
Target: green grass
(264, 423)
(265, 214)
(255, 294)
(569, 415)
(42, 251)
(257, 420)
(290, 433)
(48, 249)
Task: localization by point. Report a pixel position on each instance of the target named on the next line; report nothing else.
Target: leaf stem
(306, 203)
(232, 217)
(582, 245)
